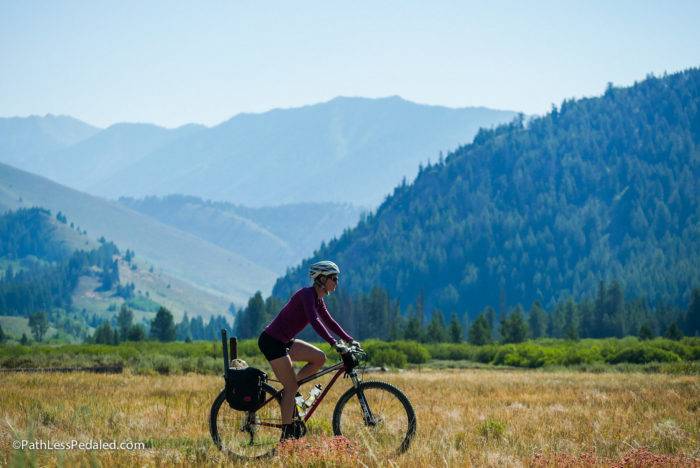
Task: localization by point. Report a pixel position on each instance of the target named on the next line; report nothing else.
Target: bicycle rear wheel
(394, 421)
(246, 434)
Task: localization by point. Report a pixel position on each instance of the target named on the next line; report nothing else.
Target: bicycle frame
(339, 369)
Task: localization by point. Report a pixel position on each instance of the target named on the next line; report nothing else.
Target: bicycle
(374, 413)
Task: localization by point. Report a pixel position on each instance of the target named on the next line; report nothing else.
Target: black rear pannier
(244, 388)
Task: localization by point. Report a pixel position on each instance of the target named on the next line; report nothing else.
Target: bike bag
(244, 388)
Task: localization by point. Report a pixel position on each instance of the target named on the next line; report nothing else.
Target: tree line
(376, 315)
(161, 328)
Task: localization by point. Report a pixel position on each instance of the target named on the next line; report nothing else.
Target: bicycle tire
(397, 424)
(243, 438)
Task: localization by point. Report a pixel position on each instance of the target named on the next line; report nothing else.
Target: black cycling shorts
(273, 348)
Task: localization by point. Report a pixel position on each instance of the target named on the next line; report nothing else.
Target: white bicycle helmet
(323, 268)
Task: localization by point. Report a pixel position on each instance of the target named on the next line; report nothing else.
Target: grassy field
(479, 417)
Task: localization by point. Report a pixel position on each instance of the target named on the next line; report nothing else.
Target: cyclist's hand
(340, 347)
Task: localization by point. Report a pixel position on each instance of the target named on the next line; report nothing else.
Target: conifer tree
(436, 332)
(674, 332)
(104, 334)
(163, 326)
(537, 321)
(645, 332)
(514, 327)
(125, 320)
(480, 331)
(455, 329)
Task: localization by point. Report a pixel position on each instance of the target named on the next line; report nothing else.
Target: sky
(175, 62)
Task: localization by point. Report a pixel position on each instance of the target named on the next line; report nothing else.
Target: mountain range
(347, 150)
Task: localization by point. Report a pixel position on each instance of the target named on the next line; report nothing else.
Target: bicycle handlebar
(353, 356)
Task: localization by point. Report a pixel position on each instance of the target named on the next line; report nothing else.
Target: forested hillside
(40, 271)
(52, 274)
(211, 276)
(599, 189)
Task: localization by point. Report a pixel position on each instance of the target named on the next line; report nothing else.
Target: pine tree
(674, 332)
(455, 329)
(104, 334)
(480, 331)
(514, 327)
(436, 332)
(571, 327)
(163, 326)
(124, 321)
(24, 340)
(645, 332)
(182, 329)
(537, 321)
(3, 337)
(414, 328)
(490, 316)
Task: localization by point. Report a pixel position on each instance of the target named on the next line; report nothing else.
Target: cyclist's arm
(332, 324)
(312, 315)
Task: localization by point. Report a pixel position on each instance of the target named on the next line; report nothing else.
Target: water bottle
(301, 405)
(313, 394)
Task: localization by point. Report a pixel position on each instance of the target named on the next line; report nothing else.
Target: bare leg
(314, 357)
(282, 367)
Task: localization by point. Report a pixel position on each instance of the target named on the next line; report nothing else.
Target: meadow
(483, 417)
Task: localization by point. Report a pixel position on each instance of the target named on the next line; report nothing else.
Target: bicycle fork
(366, 412)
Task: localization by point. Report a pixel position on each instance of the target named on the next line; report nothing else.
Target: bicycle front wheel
(246, 435)
(392, 424)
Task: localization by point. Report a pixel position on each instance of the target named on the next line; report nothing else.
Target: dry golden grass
(469, 417)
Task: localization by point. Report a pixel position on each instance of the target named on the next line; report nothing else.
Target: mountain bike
(374, 414)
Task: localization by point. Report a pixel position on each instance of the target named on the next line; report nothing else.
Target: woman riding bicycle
(279, 346)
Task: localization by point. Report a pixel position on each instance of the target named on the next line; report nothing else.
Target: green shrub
(582, 355)
(642, 354)
(165, 364)
(679, 348)
(388, 357)
(415, 352)
(486, 353)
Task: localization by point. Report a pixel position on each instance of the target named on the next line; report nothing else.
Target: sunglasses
(334, 278)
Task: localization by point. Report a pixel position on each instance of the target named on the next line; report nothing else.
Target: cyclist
(279, 346)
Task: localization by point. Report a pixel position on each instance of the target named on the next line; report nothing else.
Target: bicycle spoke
(248, 435)
(394, 421)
